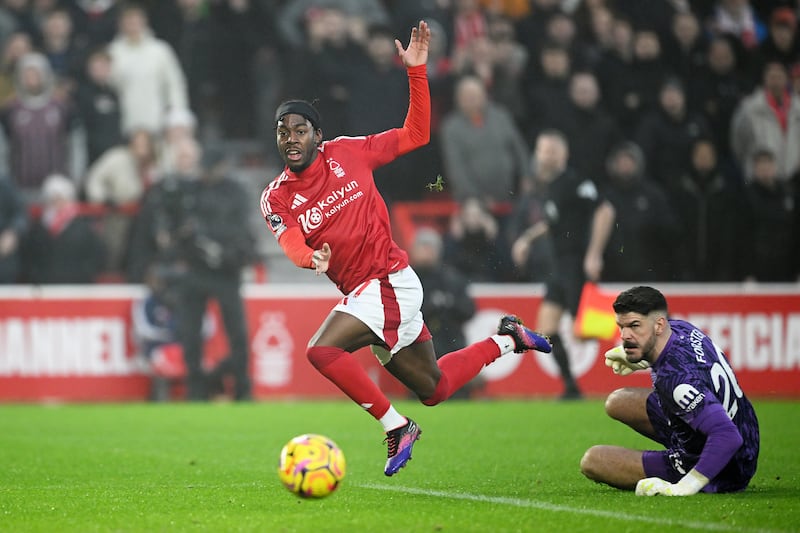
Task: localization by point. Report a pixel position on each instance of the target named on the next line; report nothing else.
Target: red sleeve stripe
(266, 208)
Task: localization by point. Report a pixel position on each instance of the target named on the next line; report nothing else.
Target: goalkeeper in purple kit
(696, 408)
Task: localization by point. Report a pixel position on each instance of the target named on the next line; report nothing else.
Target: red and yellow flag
(596, 318)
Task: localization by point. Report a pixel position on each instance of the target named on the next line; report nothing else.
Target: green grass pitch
(492, 466)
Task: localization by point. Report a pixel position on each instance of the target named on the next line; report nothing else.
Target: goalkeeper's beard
(644, 352)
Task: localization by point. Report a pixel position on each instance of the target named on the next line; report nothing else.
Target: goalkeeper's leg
(613, 465)
(629, 406)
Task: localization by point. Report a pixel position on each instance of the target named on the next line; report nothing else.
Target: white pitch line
(519, 502)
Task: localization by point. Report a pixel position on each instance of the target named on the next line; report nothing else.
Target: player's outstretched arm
(416, 130)
(417, 52)
(294, 246)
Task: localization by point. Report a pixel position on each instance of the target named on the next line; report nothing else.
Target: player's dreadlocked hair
(642, 300)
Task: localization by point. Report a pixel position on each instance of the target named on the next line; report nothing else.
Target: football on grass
(311, 466)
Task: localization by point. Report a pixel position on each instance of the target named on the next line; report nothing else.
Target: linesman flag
(595, 318)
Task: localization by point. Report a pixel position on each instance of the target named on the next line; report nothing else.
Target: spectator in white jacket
(146, 73)
(119, 179)
(769, 119)
(121, 175)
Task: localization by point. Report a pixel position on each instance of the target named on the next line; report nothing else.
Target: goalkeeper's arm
(721, 445)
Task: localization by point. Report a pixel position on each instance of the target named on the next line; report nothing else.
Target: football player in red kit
(328, 216)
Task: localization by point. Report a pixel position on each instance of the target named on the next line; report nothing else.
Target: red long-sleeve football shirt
(335, 199)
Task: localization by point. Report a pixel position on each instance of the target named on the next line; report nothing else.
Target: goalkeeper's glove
(689, 484)
(615, 358)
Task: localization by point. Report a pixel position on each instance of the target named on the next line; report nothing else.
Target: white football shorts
(391, 308)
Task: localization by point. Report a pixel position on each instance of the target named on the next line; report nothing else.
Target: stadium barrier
(408, 217)
(73, 343)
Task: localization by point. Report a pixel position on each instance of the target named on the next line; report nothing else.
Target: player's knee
(322, 356)
(435, 391)
(312, 355)
(616, 404)
(426, 393)
(590, 463)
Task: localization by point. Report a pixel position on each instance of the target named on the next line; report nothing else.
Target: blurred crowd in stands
(684, 114)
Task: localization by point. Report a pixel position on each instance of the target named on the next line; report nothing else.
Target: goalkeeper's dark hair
(642, 300)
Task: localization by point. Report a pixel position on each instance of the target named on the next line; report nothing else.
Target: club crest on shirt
(336, 168)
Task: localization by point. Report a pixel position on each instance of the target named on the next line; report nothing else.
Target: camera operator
(193, 224)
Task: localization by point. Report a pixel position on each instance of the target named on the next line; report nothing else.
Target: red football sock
(461, 366)
(346, 373)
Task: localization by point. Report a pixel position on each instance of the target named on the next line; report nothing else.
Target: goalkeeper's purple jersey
(691, 374)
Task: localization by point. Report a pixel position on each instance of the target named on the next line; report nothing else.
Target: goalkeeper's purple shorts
(673, 463)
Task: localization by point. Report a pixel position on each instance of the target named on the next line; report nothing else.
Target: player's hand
(689, 485)
(8, 241)
(616, 360)
(321, 259)
(520, 251)
(593, 266)
(653, 486)
(417, 52)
